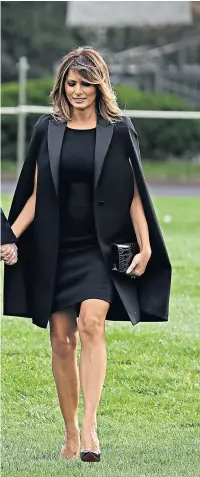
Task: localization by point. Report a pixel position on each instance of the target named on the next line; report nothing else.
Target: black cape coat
(29, 284)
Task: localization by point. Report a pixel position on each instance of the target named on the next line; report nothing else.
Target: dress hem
(78, 303)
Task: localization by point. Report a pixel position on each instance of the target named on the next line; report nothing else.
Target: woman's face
(79, 93)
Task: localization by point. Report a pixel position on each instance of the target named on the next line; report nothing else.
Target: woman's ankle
(72, 426)
(89, 420)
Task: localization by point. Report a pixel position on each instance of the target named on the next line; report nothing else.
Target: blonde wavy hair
(89, 65)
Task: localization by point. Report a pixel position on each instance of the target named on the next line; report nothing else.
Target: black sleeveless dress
(81, 273)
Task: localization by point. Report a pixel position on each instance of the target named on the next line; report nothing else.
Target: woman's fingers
(5, 250)
(141, 267)
(138, 264)
(9, 253)
(133, 264)
(4, 247)
(139, 271)
(12, 260)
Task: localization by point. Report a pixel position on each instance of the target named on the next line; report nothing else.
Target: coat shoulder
(124, 125)
(42, 122)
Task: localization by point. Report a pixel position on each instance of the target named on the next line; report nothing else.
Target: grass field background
(148, 419)
(171, 171)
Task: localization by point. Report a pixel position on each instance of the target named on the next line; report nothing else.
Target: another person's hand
(9, 253)
(139, 263)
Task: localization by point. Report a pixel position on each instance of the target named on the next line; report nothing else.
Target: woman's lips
(79, 100)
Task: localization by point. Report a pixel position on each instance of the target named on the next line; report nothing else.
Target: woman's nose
(78, 88)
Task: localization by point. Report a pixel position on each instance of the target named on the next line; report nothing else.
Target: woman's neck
(87, 117)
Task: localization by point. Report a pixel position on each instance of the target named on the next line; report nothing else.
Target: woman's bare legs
(92, 369)
(64, 341)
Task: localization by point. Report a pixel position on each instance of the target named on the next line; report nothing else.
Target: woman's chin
(80, 105)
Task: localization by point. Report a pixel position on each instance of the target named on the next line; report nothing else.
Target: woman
(81, 189)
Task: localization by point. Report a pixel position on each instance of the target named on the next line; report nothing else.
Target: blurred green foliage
(160, 139)
(37, 94)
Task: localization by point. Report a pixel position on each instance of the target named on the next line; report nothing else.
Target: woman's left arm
(140, 226)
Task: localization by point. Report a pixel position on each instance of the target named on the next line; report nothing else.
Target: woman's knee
(65, 344)
(91, 322)
(63, 335)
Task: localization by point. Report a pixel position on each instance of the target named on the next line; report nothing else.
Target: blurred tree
(38, 31)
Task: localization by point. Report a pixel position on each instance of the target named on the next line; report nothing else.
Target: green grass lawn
(172, 171)
(148, 419)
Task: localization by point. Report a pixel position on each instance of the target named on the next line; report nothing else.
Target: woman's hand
(139, 263)
(9, 253)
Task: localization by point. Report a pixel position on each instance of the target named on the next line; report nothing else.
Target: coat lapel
(56, 130)
(104, 134)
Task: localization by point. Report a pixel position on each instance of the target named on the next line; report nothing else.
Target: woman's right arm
(27, 214)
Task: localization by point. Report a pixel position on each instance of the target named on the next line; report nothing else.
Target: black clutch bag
(122, 255)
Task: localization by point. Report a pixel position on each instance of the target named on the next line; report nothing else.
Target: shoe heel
(90, 456)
